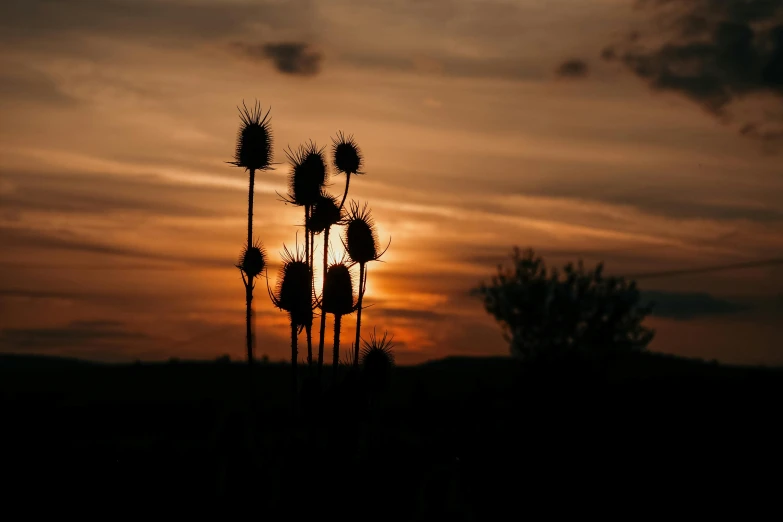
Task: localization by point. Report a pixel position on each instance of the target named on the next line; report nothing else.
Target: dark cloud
(714, 52)
(677, 305)
(77, 334)
(295, 58)
(573, 69)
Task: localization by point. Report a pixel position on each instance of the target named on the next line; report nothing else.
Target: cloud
(573, 69)
(64, 240)
(162, 20)
(716, 53)
(412, 314)
(30, 85)
(104, 194)
(294, 58)
(689, 305)
(76, 334)
(661, 201)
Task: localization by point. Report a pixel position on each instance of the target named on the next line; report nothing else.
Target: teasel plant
(253, 153)
(323, 216)
(361, 243)
(377, 361)
(338, 299)
(347, 159)
(252, 262)
(294, 294)
(306, 181)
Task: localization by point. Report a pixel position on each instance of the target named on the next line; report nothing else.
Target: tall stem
(294, 361)
(249, 283)
(309, 261)
(336, 349)
(249, 319)
(359, 316)
(323, 315)
(345, 194)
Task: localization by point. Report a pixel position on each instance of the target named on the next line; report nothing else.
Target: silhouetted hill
(11, 361)
(459, 437)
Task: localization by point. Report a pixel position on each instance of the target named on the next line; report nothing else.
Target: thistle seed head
(347, 157)
(252, 260)
(361, 239)
(254, 139)
(377, 360)
(294, 288)
(326, 212)
(308, 174)
(338, 298)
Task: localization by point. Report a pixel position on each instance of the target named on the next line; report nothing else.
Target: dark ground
(458, 439)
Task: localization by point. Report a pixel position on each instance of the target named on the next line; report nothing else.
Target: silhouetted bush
(569, 314)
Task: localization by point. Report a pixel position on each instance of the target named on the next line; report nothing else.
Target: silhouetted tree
(574, 313)
(253, 152)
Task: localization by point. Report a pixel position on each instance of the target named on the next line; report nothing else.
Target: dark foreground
(461, 439)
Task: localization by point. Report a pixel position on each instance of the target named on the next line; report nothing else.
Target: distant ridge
(20, 361)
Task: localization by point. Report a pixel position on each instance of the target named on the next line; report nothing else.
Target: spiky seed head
(252, 260)
(254, 139)
(377, 360)
(326, 212)
(361, 239)
(294, 289)
(346, 155)
(308, 174)
(338, 298)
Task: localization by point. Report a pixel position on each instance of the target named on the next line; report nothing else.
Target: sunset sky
(648, 135)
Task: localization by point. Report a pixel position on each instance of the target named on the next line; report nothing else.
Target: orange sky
(120, 221)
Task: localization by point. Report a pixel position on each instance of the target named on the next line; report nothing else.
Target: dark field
(459, 439)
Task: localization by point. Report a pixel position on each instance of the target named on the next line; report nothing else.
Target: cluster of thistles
(295, 293)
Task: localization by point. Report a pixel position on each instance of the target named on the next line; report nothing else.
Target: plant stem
(249, 285)
(294, 362)
(359, 316)
(345, 194)
(248, 321)
(309, 261)
(336, 349)
(323, 315)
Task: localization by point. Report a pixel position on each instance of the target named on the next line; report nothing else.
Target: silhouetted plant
(377, 361)
(305, 186)
(361, 243)
(251, 264)
(253, 152)
(337, 299)
(294, 295)
(324, 215)
(576, 313)
(347, 159)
